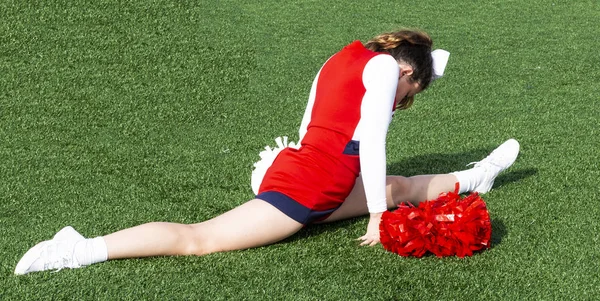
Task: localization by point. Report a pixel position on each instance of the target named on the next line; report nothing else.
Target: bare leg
(252, 224)
(398, 189)
(421, 188)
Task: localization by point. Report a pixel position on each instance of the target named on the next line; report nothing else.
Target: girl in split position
(338, 172)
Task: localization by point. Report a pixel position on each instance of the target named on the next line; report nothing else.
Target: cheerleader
(337, 171)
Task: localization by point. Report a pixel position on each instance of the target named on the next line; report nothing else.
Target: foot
(500, 159)
(53, 254)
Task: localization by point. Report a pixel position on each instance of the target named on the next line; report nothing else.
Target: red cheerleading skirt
(306, 184)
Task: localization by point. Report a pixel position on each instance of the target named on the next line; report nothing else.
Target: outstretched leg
(416, 189)
(398, 189)
(252, 224)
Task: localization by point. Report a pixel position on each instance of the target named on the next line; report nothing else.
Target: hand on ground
(371, 238)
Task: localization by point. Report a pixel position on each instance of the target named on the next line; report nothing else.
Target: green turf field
(117, 113)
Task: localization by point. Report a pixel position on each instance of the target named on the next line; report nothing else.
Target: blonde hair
(412, 47)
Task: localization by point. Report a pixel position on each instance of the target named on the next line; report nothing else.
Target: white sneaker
(500, 159)
(68, 233)
(54, 254)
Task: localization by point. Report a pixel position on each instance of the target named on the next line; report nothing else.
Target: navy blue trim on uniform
(352, 148)
(293, 209)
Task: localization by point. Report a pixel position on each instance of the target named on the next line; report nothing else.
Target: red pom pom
(446, 226)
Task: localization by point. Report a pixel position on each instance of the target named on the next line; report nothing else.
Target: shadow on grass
(318, 229)
(445, 163)
(436, 163)
(514, 176)
(498, 232)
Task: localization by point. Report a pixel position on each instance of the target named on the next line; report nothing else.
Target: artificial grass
(114, 114)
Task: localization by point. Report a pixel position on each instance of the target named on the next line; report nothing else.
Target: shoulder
(384, 62)
(381, 66)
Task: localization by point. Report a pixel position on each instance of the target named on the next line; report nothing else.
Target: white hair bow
(440, 60)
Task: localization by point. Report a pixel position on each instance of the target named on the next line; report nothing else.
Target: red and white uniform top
(350, 107)
(342, 135)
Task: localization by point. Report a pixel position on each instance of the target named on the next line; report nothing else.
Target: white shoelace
(55, 259)
(491, 160)
(483, 162)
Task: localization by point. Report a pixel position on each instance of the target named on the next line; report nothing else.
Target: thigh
(356, 202)
(252, 224)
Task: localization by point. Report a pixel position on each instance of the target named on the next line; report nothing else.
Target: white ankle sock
(468, 179)
(91, 250)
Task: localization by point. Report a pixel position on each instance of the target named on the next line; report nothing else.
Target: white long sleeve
(380, 78)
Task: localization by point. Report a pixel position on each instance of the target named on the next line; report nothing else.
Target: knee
(196, 244)
(400, 188)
